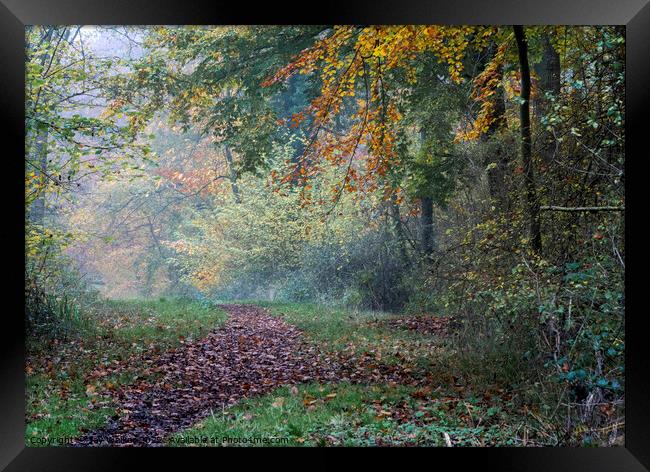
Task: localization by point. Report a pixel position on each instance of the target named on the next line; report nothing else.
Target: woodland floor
(347, 381)
(252, 354)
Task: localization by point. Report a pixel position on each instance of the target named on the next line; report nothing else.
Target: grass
(352, 415)
(163, 321)
(55, 415)
(365, 415)
(65, 392)
(66, 378)
(356, 333)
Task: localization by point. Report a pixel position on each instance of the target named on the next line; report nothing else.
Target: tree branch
(602, 208)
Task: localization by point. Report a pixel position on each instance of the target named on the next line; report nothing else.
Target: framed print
(370, 226)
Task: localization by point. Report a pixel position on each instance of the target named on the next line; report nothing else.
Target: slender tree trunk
(231, 167)
(38, 207)
(233, 174)
(398, 229)
(532, 201)
(426, 224)
(37, 211)
(426, 214)
(548, 71)
(496, 156)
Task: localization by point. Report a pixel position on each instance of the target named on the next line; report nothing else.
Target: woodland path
(253, 353)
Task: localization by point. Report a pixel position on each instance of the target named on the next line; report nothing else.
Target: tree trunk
(426, 214)
(38, 207)
(426, 224)
(496, 156)
(233, 174)
(37, 211)
(548, 71)
(532, 201)
(398, 229)
(549, 68)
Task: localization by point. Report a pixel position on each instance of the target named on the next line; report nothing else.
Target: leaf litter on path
(253, 353)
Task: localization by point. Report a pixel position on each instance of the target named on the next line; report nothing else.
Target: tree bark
(37, 211)
(426, 224)
(532, 201)
(497, 175)
(548, 71)
(233, 174)
(397, 228)
(585, 208)
(426, 213)
(549, 68)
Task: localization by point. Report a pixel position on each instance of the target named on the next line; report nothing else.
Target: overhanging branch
(590, 208)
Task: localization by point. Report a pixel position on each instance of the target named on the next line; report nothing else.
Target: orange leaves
(354, 62)
(484, 90)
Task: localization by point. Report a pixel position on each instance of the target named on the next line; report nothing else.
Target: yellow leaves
(484, 90)
(278, 402)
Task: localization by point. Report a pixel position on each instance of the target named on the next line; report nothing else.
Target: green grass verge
(64, 398)
(355, 332)
(162, 321)
(351, 415)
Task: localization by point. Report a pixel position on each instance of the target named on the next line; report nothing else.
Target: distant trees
(68, 143)
(391, 109)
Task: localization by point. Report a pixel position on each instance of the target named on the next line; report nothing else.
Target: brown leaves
(252, 354)
(383, 414)
(309, 401)
(423, 392)
(425, 324)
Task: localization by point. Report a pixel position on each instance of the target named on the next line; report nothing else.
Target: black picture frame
(15, 14)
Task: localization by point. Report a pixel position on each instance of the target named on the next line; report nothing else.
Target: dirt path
(252, 354)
